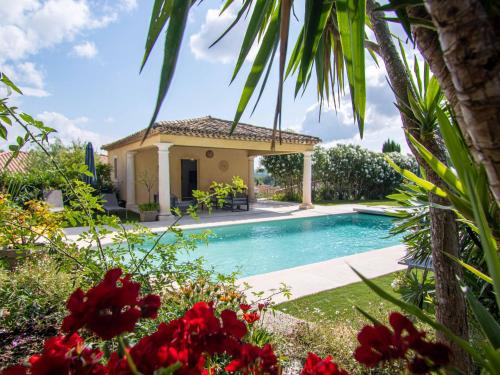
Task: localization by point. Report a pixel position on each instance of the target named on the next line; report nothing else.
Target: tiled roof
(18, 164)
(211, 127)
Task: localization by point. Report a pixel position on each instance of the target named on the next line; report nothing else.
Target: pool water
(263, 247)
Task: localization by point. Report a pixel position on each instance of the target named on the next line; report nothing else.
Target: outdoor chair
(234, 202)
(110, 204)
(182, 205)
(411, 263)
(54, 199)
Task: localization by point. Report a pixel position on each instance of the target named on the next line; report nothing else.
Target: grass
(378, 202)
(332, 305)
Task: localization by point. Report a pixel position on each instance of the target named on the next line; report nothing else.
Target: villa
(184, 155)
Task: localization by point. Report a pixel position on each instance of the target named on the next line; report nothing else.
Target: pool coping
(317, 277)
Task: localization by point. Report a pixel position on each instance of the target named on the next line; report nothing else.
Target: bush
(342, 172)
(31, 295)
(346, 172)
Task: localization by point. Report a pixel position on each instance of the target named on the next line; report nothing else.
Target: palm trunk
(450, 304)
(469, 36)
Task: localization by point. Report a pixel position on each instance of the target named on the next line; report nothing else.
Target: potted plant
(148, 211)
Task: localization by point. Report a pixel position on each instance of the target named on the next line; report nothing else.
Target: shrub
(346, 172)
(31, 295)
(342, 172)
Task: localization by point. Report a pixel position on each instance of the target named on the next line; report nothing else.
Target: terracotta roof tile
(18, 164)
(211, 127)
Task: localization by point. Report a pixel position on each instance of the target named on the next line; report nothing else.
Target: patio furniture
(235, 201)
(182, 205)
(411, 263)
(110, 204)
(54, 199)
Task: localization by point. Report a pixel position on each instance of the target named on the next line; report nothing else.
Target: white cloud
(28, 77)
(338, 126)
(69, 130)
(87, 50)
(128, 5)
(29, 26)
(214, 25)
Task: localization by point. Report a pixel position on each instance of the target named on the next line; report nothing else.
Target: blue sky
(78, 64)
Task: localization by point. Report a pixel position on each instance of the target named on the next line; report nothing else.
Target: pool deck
(302, 280)
(333, 273)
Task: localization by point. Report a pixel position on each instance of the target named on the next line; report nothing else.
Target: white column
(251, 179)
(164, 179)
(307, 181)
(130, 179)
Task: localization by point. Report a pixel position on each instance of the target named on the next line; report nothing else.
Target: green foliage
(347, 172)
(342, 172)
(24, 227)
(417, 288)
(31, 294)
(51, 168)
(149, 207)
(286, 171)
(391, 146)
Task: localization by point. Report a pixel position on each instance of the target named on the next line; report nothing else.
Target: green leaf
(9, 83)
(236, 20)
(286, 8)
(488, 242)
(488, 324)
(260, 62)
(159, 16)
(442, 170)
(351, 21)
(471, 269)
(256, 20)
(173, 40)
(316, 17)
(428, 186)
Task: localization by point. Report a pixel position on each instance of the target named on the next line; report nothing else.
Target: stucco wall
(209, 169)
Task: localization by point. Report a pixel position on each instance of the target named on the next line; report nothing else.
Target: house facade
(180, 156)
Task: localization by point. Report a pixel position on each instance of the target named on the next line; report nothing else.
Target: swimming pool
(263, 247)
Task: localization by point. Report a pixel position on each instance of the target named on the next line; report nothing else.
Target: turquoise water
(275, 245)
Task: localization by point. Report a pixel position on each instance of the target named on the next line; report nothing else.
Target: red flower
(379, 344)
(316, 366)
(15, 370)
(251, 318)
(262, 306)
(245, 307)
(109, 309)
(232, 325)
(149, 306)
(254, 360)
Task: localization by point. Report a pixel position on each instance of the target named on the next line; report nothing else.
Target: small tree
(149, 182)
(391, 146)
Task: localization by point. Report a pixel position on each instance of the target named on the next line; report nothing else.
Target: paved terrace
(303, 280)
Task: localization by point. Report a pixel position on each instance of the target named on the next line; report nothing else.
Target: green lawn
(335, 304)
(379, 202)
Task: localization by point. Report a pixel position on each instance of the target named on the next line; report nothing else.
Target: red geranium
(316, 366)
(109, 308)
(245, 307)
(251, 318)
(379, 344)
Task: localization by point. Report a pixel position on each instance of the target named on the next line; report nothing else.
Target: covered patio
(180, 156)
